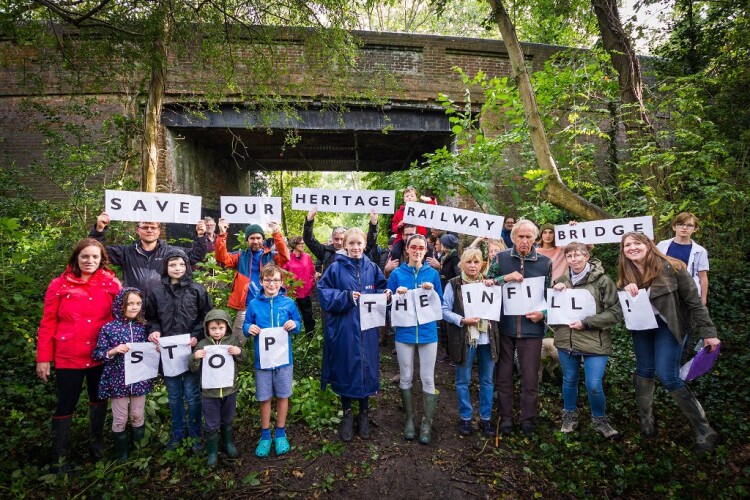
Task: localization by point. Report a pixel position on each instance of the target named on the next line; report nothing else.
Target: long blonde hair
(627, 272)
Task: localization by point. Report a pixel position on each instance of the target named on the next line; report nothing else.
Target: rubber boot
(97, 415)
(363, 424)
(212, 448)
(406, 401)
(346, 432)
(430, 405)
(121, 445)
(705, 436)
(60, 443)
(228, 442)
(644, 396)
(138, 434)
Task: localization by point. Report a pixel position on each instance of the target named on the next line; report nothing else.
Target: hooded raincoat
(351, 357)
(120, 330)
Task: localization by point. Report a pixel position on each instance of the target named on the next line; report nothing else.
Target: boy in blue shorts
(271, 309)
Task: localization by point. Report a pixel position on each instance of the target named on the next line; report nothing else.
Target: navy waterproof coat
(350, 356)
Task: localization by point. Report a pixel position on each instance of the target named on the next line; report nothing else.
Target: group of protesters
(89, 318)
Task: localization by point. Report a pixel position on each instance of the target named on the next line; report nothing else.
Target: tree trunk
(152, 121)
(556, 191)
(625, 61)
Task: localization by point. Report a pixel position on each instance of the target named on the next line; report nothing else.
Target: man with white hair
(522, 333)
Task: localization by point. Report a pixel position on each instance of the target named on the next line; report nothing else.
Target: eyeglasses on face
(148, 228)
(686, 226)
(417, 248)
(275, 281)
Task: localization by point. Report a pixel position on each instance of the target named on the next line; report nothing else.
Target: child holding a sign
(671, 291)
(271, 318)
(128, 401)
(412, 275)
(219, 404)
(351, 360)
(178, 307)
(589, 338)
(397, 223)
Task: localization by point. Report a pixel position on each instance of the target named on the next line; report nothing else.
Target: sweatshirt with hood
(177, 308)
(228, 340)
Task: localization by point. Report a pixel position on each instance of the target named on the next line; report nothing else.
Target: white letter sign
(482, 301)
(332, 200)
(603, 231)
(139, 206)
(569, 305)
(524, 297)
(175, 354)
(251, 209)
(273, 344)
(217, 368)
(637, 311)
(453, 219)
(428, 305)
(372, 310)
(402, 310)
(141, 362)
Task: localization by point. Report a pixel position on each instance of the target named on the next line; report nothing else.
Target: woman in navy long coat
(350, 356)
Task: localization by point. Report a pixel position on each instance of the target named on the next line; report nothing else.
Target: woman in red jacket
(76, 306)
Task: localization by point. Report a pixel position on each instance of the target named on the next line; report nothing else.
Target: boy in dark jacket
(178, 307)
(219, 405)
(270, 309)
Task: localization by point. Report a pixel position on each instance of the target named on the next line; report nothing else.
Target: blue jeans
(486, 383)
(657, 353)
(593, 368)
(185, 387)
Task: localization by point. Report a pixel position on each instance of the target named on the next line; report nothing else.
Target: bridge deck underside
(361, 139)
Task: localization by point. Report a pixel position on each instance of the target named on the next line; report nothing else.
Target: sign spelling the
(141, 362)
(637, 311)
(176, 353)
(250, 209)
(453, 219)
(569, 305)
(524, 297)
(273, 344)
(416, 307)
(348, 201)
(140, 206)
(603, 231)
(482, 301)
(217, 368)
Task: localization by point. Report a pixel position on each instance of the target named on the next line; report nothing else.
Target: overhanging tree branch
(555, 189)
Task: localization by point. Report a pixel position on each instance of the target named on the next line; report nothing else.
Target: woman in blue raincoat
(350, 356)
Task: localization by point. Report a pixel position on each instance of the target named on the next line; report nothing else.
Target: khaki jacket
(596, 338)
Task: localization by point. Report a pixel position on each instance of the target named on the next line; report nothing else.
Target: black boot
(644, 396)
(60, 443)
(138, 434)
(705, 436)
(363, 424)
(97, 414)
(121, 445)
(346, 432)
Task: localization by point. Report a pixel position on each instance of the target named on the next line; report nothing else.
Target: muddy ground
(386, 465)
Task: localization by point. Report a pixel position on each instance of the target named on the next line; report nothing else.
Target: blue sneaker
(281, 445)
(264, 448)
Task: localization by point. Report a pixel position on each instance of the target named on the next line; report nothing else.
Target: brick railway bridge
(213, 153)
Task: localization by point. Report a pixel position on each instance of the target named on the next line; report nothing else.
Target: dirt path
(386, 465)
